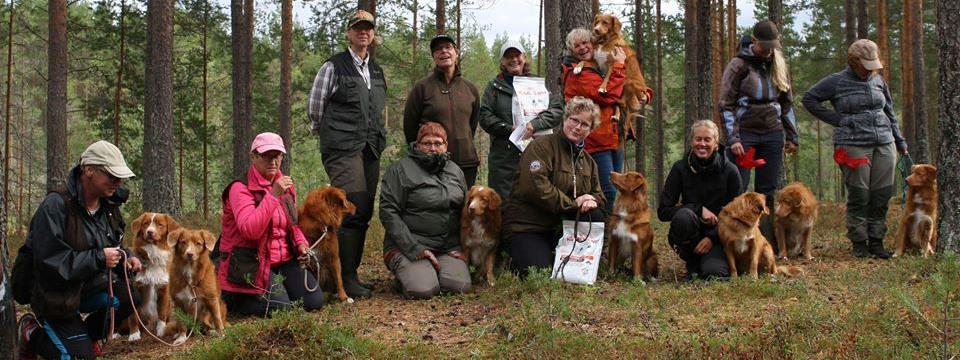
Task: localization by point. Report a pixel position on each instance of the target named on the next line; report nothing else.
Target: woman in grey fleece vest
(866, 139)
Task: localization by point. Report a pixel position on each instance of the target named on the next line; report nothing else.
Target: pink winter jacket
(244, 224)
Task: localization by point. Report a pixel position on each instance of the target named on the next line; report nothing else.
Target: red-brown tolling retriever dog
(320, 218)
(193, 281)
(918, 225)
(480, 229)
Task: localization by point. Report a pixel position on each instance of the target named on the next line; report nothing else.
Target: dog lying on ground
(320, 218)
(918, 225)
(746, 248)
(631, 236)
(480, 229)
(796, 212)
(193, 281)
(607, 36)
(150, 246)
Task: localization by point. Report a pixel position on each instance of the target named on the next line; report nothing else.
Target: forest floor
(842, 308)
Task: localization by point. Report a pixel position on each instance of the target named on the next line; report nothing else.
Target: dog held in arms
(796, 212)
(607, 36)
(918, 225)
(631, 236)
(480, 229)
(150, 246)
(744, 245)
(320, 218)
(193, 281)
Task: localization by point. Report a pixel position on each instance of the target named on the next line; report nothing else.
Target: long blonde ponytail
(780, 73)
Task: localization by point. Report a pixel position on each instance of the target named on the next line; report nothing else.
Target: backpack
(22, 274)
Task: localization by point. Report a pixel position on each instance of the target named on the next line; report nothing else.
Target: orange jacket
(587, 84)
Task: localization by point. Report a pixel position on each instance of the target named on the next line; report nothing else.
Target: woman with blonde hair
(756, 104)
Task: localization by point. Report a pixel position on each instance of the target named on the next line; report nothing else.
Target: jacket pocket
(243, 266)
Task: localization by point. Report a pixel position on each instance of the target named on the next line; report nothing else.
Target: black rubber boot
(766, 228)
(351, 249)
(860, 250)
(876, 249)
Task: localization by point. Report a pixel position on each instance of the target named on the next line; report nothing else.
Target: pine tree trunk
(658, 97)
(948, 28)
(716, 55)
(775, 8)
(459, 29)
(595, 8)
(57, 65)
(691, 71)
(698, 67)
(159, 185)
(117, 96)
(8, 311)
(882, 38)
(863, 20)
(906, 75)
(286, 57)
(575, 14)
(416, 34)
(921, 149)
(241, 24)
(732, 38)
(850, 21)
(640, 162)
(441, 16)
(553, 46)
(206, 138)
(6, 151)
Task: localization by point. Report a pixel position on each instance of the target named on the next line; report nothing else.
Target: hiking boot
(25, 327)
(876, 249)
(860, 250)
(351, 250)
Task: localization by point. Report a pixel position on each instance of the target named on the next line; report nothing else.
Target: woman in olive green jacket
(496, 118)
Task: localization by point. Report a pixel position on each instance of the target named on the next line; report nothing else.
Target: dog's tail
(790, 270)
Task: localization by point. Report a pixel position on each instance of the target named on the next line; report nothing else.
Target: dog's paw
(578, 69)
(491, 284)
(161, 328)
(180, 339)
(350, 300)
(134, 337)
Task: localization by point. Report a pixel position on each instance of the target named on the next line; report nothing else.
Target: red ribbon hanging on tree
(747, 160)
(843, 158)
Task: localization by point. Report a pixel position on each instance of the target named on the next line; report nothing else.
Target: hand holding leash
(134, 264)
(112, 256)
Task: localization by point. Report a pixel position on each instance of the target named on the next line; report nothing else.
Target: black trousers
(470, 175)
(75, 335)
(686, 231)
(281, 296)
(358, 174)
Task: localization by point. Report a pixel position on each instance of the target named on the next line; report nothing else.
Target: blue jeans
(769, 148)
(608, 161)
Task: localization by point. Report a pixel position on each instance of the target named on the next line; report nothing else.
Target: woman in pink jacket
(261, 242)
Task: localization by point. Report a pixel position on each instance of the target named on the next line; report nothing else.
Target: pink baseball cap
(267, 141)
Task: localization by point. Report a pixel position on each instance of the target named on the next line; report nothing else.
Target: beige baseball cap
(107, 155)
(867, 52)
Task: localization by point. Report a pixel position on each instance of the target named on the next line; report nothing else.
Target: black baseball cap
(767, 34)
(440, 39)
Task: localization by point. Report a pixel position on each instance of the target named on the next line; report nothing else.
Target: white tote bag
(577, 258)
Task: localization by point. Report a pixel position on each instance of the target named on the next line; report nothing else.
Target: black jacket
(65, 272)
(694, 185)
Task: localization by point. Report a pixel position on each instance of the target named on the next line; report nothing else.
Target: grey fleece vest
(351, 118)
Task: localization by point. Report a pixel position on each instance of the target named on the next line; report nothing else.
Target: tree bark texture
(8, 312)
(921, 147)
(716, 55)
(948, 28)
(850, 21)
(775, 9)
(441, 16)
(698, 67)
(732, 38)
(906, 75)
(205, 134)
(575, 14)
(286, 57)
(416, 34)
(658, 111)
(553, 45)
(883, 42)
(117, 95)
(57, 65)
(159, 184)
(241, 26)
(640, 163)
(7, 114)
(863, 20)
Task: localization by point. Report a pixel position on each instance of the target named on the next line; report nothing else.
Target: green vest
(352, 116)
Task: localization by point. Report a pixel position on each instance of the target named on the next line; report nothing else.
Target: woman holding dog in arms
(556, 180)
(756, 104)
(420, 200)
(261, 239)
(582, 77)
(697, 188)
(866, 141)
(496, 118)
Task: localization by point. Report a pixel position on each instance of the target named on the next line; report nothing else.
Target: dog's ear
(348, 206)
(616, 24)
(173, 237)
(137, 224)
(209, 241)
(493, 203)
(171, 223)
(641, 185)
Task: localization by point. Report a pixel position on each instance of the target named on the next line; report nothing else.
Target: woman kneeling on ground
(259, 225)
(698, 186)
(556, 180)
(420, 201)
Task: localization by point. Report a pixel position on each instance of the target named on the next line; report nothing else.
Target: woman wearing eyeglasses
(420, 200)
(260, 238)
(557, 179)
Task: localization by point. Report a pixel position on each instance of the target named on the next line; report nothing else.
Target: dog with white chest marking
(480, 229)
(631, 235)
(193, 282)
(150, 246)
(918, 226)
